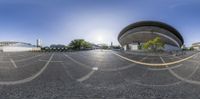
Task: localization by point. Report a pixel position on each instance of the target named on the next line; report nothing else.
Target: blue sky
(97, 21)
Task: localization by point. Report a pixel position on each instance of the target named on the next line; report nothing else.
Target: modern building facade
(196, 46)
(140, 32)
(10, 46)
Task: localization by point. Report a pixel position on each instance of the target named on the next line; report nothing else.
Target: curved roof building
(143, 31)
(13, 43)
(11, 46)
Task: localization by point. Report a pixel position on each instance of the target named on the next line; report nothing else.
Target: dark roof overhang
(152, 23)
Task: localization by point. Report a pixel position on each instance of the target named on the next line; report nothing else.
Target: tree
(79, 44)
(139, 47)
(154, 44)
(104, 46)
(191, 48)
(87, 45)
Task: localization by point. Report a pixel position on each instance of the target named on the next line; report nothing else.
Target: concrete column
(125, 47)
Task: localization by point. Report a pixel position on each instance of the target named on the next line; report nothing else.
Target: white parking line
(88, 75)
(173, 67)
(28, 58)
(179, 77)
(144, 58)
(162, 60)
(152, 64)
(75, 61)
(107, 70)
(194, 61)
(123, 67)
(51, 61)
(29, 78)
(13, 62)
(196, 56)
(183, 79)
(118, 69)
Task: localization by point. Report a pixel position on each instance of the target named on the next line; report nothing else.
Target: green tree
(139, 47)
(104, 46)
(191, 48)
(154, 44)
(87, 45)
(79, 44)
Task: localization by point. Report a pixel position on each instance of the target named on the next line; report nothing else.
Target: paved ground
(96, 74)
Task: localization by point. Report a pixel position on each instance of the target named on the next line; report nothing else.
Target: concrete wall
(133, 47)
(197, 48)
(171, 48)
(125, 47)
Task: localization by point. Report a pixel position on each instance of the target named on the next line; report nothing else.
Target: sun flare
(99, 36)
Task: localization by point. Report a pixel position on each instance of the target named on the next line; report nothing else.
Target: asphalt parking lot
(97, 74)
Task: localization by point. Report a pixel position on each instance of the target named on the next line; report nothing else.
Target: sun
(99, 36)
(99, 39)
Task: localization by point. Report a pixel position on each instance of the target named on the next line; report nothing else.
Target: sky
(96, 21)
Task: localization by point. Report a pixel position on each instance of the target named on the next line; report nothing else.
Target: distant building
(10, 46)
(57, 46)
(39, 43)
(111, 45)
(103, 46)
(136, 34)
(95, 46)
(196, 46)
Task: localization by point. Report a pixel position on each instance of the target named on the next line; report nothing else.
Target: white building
(196, 46)
(10, 46)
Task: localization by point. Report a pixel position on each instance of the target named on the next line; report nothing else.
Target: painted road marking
(196, 56)
(66, 70)
(173, 67)
(151, 64)
(75, 61)
(123, 67)
(162, 59)
(194, 61)
(95, 68)
(51, 61)
(144, 58)
(118, 69)
(88, 75)
(29, 78)
(28, 58)
(179, 77)
(13, 62)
